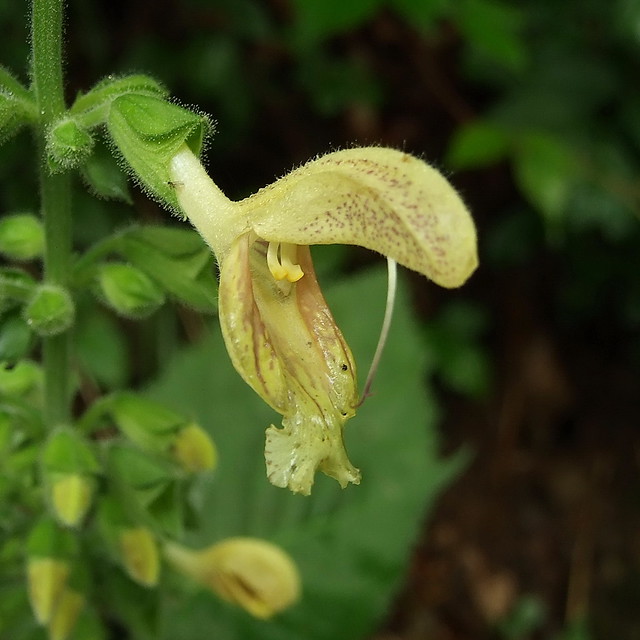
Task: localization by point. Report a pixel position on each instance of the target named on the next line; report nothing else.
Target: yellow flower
(252, 573)
(278, 329)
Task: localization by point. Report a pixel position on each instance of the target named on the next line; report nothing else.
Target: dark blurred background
(533, 111)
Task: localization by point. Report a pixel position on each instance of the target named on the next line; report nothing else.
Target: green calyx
(148, 132)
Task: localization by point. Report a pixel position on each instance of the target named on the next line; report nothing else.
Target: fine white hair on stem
(392, 280)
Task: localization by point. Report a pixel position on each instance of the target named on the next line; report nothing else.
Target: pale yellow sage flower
(278, 329)
(252, 573)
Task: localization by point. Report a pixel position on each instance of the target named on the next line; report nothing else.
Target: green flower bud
(71, 495)
(158, 429)
(148, 424)
(21, 236)
(148, 132)
(177, 260)
(50, 311)
(140, 555)
(19, 380)
(46, 579)
(194, 449)
(67, 452)
(68, 145)
(15, 338)
(65, 615)
(49, 554)
(69, 467)
(129, 291)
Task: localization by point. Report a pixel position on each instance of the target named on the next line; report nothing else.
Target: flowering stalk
(46, 40)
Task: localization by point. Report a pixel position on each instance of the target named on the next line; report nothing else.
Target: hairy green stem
(46, 45)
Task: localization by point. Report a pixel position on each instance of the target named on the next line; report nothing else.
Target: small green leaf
(17, 106)
(316, 21)
(494, 28)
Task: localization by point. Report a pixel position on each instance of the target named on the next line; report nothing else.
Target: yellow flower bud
(65, 614)
(194, 449)
(140, 555)
(71, 496)
(46, 580)
(252, 573)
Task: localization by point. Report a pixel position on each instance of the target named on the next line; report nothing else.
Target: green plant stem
(46, 43)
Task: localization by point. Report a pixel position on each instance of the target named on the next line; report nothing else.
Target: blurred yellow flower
(252, 573)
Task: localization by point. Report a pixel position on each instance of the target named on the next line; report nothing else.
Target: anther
(281, 258)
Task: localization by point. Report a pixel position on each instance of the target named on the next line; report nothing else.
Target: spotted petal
(378, 198)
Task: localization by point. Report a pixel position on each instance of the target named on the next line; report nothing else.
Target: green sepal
(148, 424)
(137, 470)
(92, 108)
(48, 540)
(104, 177)
(17, 106)
(178, 260)
(50, 311)
(67, 451)
(21, 236)
(148, 132)
(16, 338)
(68, 145)
(129, 291)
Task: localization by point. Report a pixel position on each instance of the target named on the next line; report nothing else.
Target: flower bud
(140, 556)
(68, 145)
(15, 338)
(21, 236)
(193, 449)
(71, 497)
(19, 380)
(49, 553)
(252, 573)
(69, 466)
(46, 580)
(50, 311)
(65, 614)
(130, 291)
